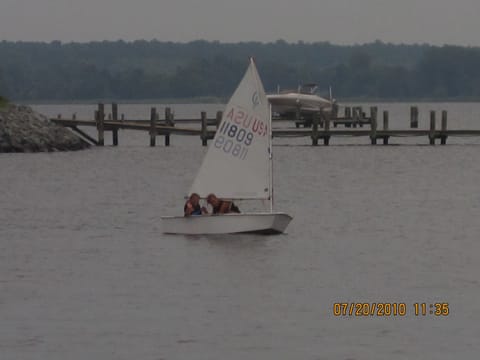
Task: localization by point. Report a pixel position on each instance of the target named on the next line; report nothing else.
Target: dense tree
(154, 69)
(3, 101)
(3, 84)
(450, 71)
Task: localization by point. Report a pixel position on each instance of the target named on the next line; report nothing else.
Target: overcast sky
(338, 21)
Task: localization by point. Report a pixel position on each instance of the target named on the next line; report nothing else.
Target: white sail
(236, 165)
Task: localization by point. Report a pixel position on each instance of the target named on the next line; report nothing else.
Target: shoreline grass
(3, 102)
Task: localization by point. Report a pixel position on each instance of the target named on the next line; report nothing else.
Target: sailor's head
(212, 199)
(194, 198)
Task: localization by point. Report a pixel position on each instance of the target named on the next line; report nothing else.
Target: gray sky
(338, 21)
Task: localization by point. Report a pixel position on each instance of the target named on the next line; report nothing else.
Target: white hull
(268, 223)
(282, 103)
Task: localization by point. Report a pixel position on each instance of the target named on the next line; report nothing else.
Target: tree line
(154, 70)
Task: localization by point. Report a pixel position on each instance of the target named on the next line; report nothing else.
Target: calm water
(85, 272)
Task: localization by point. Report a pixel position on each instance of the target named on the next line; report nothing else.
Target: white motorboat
(237, 166)
(303, 100)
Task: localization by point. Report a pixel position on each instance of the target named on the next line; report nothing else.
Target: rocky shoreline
(24, 130)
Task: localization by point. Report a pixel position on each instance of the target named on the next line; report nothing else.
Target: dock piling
(115, 130)
(326, 122)
(169, 122)
(385, 127)
(355, 117)
(413, 117)
(348, 112)
(153, 126)
(115, 137)
(360, 116)
(314, 134)
(204, 134)
(100, 124)
(373, 125)
(443, 137)
(431, 134)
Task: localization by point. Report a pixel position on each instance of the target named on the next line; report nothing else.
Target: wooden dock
(320, 127)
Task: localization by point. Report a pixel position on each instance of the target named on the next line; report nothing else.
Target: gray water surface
(86, 273)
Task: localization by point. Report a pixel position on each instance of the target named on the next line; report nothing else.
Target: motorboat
(303, 100)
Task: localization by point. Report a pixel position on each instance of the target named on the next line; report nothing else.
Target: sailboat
(237, 166)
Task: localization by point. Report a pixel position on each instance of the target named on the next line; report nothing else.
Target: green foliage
(3, 101)
(153, 69)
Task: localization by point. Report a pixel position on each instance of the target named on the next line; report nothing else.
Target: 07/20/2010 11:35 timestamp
(390, 309)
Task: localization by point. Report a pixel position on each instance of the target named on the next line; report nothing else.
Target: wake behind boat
(237, 166)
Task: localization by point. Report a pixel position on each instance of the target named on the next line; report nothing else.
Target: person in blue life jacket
(220, 206)
(192, 206)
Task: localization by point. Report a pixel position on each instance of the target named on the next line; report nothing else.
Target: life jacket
(233, 208)
(197, 210)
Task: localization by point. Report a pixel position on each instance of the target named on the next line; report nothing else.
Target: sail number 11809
(233, 140)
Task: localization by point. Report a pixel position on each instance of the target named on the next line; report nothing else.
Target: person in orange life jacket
(221, 206)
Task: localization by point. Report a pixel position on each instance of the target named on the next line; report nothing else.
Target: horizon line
(278, 41)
